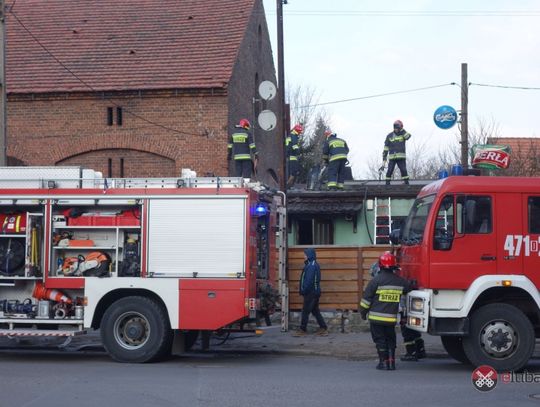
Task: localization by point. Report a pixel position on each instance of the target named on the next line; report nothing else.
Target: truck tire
(136, 330)
(501, 336)
(454, 347)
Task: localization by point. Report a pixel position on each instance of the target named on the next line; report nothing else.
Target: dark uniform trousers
(336, 173)
(384, 336)
(294, 168)
(243, 168)
(402, 165)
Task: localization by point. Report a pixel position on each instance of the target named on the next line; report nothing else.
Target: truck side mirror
(395, 236)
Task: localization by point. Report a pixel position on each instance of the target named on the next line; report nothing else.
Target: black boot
(387, 182)
(383, 358)
(410, 356)
(391, 361)
(406, 182)
(420, 349)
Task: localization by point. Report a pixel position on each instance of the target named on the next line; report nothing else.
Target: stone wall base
(337, 321)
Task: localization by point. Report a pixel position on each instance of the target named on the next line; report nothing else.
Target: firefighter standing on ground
(414, 345)
(292, 150)
(335, 152)
(412, 340)
(394, 150)
(242, 150)
(381, 298)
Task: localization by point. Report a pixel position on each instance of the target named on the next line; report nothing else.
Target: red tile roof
(519, 145)
(123, 44)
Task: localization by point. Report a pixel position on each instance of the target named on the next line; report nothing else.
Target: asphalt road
(40, 378)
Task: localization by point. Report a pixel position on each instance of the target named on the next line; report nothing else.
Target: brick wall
(118, 163)
(255, 64)
(71, 129)
(60, 129)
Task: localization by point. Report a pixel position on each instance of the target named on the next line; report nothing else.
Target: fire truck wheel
(136, 330)
(500, 336)
(454, 347)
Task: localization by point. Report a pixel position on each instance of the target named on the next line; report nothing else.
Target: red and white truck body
(200, 252)
(471, 247)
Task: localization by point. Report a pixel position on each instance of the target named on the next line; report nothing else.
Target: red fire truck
(471, 246)
(150, 262)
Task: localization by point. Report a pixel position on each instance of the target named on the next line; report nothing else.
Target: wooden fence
(344, 274)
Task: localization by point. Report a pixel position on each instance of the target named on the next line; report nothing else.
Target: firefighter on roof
(335, 152)
(394, 150)
(381, 298)
(292, 150)
(242, 150)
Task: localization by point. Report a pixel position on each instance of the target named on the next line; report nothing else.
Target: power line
(378, 95)
(90, 86)
(13, 5)
(504, 86)
(405, 13)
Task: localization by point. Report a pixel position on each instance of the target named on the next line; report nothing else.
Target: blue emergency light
(260, 209)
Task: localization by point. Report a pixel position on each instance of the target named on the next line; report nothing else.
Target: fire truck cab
(471, 248)
(149, 262)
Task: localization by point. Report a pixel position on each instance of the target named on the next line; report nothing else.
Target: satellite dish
(267, 120)
(267, 90)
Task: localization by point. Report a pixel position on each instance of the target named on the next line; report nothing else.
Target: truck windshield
(413, 232)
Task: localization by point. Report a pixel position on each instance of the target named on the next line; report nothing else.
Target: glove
(347, 162)
(229, 157)
(382, 166)
(363, 314)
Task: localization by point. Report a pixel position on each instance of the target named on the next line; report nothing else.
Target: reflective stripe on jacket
(394, 145)
(241, 145)
(335, 149)
(291, 146)
(382, 297)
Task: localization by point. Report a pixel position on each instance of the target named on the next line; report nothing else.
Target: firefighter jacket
(241, 145)
(382, 297)
(335, 149)
(310, 278)
(394, 145)
(291, 146)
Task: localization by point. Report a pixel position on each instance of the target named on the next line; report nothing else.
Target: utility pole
(464, 118)
(283, 258)
(281, 89)
(3, 109)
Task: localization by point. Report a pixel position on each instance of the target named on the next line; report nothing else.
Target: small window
(257, 104)
(475, 214)
(259, 37)
(315, 231)
(109, 167)
(110, 116)
(534, 214)
(119, 119)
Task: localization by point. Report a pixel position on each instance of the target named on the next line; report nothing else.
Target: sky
(347, 49)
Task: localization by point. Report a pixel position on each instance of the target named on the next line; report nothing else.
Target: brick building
(136, 88)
